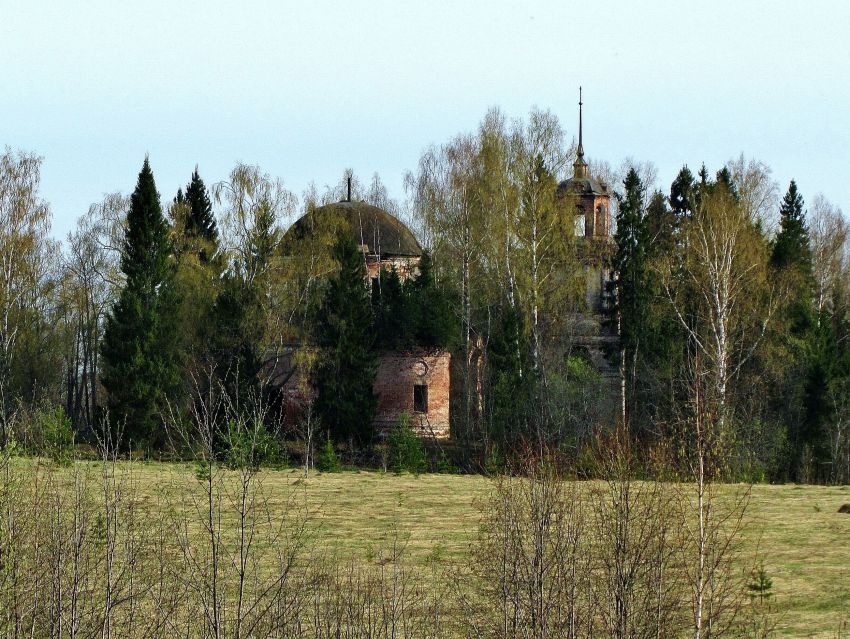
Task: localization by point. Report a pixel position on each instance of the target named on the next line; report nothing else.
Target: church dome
(377, 230)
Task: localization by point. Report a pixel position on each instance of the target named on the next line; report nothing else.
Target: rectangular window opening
(420, 398)
(579, 221)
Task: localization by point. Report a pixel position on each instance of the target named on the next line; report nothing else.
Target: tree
(758, 191)
(392, 325)
(345, 375)
(801, 336)
(141, 359)
(89, 285)
(683, 194)
(830, 244)
(720, 293)
(200, 222)
(24, 249)
(630, 281)
(248, 323)
(429, 309)
(543, 237)
(791, 248)
(446, 190)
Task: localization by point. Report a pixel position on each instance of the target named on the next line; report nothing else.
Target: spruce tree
(805, 340)
(791, 249)
(200, 221)
(234, 338)
(683, 194)
(345, 374)
(724, 177)
(433, 321)
(140, 354)
(632, 299)
(392, 326)
(660, 225)
(512, 381)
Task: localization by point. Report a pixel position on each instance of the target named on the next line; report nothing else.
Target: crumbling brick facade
(416, 384)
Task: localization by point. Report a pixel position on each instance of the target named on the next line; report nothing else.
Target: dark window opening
(420, 398)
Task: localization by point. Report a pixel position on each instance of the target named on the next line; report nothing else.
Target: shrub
(327, 461)
(404, 448)
(250, 445)
(54, 435)
(445, 465)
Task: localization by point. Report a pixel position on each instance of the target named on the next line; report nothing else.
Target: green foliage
(404, 448)
(512, 382)
(327, 460)
(445, 466)
(55, 435)
(345, 373)
(684, 195)
(203, 470)
(631, 267)
(433, 322)
(828, 360)
(235, 342)
(200, 222)
(791, 248)
(494, 462)
(140, 349)
(417, 313)
(250, 445)
(392, 325)
(761, 585)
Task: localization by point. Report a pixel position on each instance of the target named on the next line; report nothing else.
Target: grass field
(803, 540)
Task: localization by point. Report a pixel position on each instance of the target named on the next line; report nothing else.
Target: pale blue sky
(306, 89)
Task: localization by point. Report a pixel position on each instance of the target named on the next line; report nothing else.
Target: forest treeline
(728, 303)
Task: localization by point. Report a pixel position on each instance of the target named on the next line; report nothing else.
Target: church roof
(583, 186)
(376, 229)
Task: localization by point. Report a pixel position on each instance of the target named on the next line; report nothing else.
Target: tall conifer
(139, 348)
(792, 243)
(200, 221)
(344, 378)
(630, 273)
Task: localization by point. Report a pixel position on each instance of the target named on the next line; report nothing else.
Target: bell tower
(594, 245)
(594, 242)
(593, 200)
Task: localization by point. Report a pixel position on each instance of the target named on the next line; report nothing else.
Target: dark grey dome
(381, 232)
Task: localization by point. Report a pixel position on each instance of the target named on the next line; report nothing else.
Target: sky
(306, 89)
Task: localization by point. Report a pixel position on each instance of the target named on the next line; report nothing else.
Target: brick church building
(416, 382)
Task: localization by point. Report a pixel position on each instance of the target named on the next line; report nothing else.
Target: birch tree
(24, 224)
(89, 285)
(447, 197)
(830, 245)
(720, 294)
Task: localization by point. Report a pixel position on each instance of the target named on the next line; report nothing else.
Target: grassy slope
(805, 543)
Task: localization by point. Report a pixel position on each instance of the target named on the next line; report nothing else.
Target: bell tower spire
(580, 165)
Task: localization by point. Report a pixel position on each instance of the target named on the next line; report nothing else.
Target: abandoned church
(418, 382)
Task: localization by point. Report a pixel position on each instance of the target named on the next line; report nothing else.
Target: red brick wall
(404, 266)
(397, 374)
